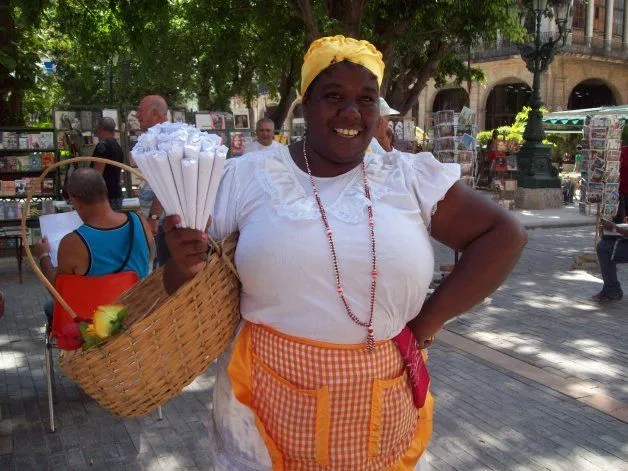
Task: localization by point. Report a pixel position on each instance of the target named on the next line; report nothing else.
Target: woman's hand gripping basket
(167, 341)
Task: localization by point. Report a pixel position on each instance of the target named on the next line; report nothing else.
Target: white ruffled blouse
(283, 257)
(284, 261)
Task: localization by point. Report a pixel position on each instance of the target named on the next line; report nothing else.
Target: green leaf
(7, 61)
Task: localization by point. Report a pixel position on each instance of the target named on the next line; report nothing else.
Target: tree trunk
(10, 92)
(204, 87)
(303, 8)
(405, 90)
(389, 37)
(286, 90)
(348, 13)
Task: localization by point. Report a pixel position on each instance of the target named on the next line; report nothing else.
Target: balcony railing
(577, 44)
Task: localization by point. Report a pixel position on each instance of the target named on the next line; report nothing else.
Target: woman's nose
(350, 108)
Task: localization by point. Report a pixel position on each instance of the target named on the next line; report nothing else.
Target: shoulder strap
(131, 240)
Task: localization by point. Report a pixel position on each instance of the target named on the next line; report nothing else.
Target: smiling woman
(335, 260)
(342, 111)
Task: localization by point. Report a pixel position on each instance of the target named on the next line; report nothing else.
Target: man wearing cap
(382, 143)
(109, 148)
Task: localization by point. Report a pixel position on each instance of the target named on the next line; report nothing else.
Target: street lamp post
(535, 168)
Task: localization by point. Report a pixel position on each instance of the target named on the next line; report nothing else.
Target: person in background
(109, 148)
(100, 246)
(492, 155)
(384, 136)
(265, 133)
(391, 138)
(611, 250)
(153, 110)
(578, 159)
(622, 211)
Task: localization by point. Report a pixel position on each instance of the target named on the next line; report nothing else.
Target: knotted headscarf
(330, 50)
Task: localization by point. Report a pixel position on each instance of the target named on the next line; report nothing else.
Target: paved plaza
(534, 378)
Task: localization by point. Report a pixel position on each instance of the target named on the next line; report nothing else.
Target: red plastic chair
(83, 294)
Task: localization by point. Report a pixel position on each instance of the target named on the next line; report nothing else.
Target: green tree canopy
(114, 52)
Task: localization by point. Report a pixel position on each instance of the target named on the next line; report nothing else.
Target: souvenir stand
(404, 130)
(234, 128)
(75, 128)
(601, 149)
(297, 131)
(454, 141)
(601, 146)
(504, 184)
(24, 154)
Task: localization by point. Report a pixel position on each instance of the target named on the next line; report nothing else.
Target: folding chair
(83, 294)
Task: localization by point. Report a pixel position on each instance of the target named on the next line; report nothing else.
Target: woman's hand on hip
(424, 330)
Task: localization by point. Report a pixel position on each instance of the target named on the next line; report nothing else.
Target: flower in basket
(106, 322)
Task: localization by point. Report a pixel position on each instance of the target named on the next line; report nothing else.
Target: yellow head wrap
(333, 49)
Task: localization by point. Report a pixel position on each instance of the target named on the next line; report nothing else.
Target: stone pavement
(487, 416)
(567, 216)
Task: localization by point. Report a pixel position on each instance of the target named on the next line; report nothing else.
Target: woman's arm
(491, 241)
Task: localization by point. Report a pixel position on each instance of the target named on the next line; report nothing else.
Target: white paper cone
(192, 149)
(214, 182)
(175, 155)
(162, 167)
(146, 165)
(190, 178)
(156, 182)
(205, 165)
(142, 161)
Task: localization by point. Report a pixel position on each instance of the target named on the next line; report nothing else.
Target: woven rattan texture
(169, 341)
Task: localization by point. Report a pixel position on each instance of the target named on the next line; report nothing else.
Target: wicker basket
(168, 340)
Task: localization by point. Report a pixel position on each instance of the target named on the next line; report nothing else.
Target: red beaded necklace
(370, 338)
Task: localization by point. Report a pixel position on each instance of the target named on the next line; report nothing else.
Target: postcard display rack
(404, 130)
(24, 154)
(234, 129)
(601, 146)
(454, 141)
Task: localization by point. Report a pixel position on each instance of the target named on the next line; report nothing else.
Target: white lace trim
(290, 201)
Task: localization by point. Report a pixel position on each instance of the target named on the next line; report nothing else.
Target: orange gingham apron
(322, 406)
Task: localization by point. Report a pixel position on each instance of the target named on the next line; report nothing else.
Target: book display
(75, 127)
(24, 154)
(454, 141)
(601, 150)
(234, 129)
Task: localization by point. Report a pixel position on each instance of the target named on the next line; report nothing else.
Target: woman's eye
(333, 96)
(368, 99)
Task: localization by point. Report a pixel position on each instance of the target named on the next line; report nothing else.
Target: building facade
(591, 71)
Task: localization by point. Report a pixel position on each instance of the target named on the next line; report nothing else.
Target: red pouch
(417, 370)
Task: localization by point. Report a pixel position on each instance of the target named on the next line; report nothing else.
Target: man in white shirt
(265, 132)
(381, 142)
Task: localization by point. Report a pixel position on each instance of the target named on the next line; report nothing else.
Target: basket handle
(29, 196)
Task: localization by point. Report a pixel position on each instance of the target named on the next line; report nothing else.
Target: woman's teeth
(348, 133)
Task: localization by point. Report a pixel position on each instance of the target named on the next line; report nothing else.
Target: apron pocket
(297, 420)
(393, 415)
